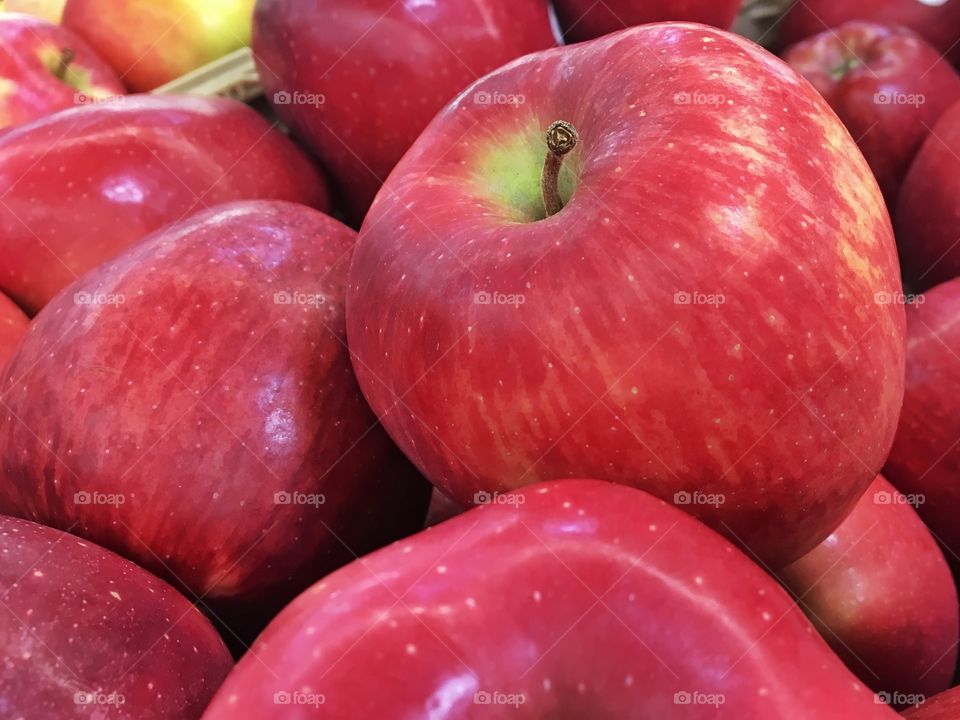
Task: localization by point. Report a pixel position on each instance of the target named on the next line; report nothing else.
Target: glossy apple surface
(928, 214)
(13, 325)
(944, 706)
(203, 378)
(573, 599)
(84, 184)
(85, 633)
(699, 321)
(151, 43)
(360, 80)
(586, 19)
(887, 85)
(925, 459)
(50, 10)
(45, 68)
(881, 593)
(936, 20)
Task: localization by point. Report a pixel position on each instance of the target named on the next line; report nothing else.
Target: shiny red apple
(588, 19)
(936, 20)
(360, 80)
(45, 68)
(944, 706)
(203, 379)
(80, 186)
(700, 320)
(85, 633)
(928, 212)
(13, 326)
(881, 593)
(925, 459)
(573, 599)
(886, 84)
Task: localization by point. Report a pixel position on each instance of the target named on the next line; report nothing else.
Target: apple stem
(562, 137)
(67, 56)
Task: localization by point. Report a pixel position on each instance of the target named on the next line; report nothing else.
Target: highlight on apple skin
(711, 317)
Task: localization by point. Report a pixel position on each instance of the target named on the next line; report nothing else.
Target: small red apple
(572, 599)
(588, 19)
(699, 320)
(925, 459)
(944, 706)
(45, 68)
(928, 212)
(882, 595)
(82, 185)
(13, 326)
(360, 80)
(202, 377)
(936, 20)
(886, 84)
(85, 633)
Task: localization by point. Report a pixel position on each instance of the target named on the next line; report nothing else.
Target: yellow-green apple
(81, 185)
(359, 80)
(943, 706)
(887, 85)
(936, 20)
(928, 213)
(925, 459)
(13, 325)
(51, 10)
(881, 593)
(572, 599)
(88, 634)
(202, 378)
(587, 19)
(699, 320)
(45, 68)
(151, 43)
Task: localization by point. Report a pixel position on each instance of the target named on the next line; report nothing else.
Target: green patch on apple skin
(78, 79)
(507, 175)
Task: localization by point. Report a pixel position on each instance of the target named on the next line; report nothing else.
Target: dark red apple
(45, 68)
(587, 19)
(936, 20)
(881, 593)
(85, 633)
(925, 459)
(575, 599)
(82, 185)
(945, 706)
(886, 84)
(928, 212)
(13, 325)
(202, 377)
(360, 80)
(699, 321)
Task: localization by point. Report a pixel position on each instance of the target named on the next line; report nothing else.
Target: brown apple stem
(67, 56)
(562, 137)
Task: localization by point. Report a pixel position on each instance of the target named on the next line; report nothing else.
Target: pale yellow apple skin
(150, 43)
(51, 10)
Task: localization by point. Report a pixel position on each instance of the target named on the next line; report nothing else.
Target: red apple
(936, 20)
(945, 706)
(887, 85)
(925, 459)
(203, 378)
(13, 325)
(151, 43)
(45, 68)
(87, 634)
(359, 80)
(928, 213)
(84, 184)
(700, 319)
(575, 599)
(587, 19)
(882, 595)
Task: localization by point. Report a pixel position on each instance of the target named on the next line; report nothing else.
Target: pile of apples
(512, 359)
